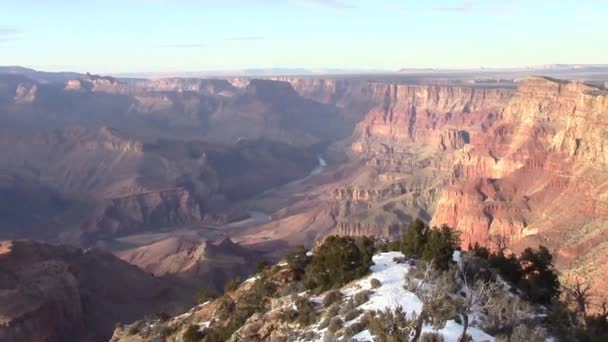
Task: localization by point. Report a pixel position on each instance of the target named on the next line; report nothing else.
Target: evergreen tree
(412, 243)
(539, 277)
(440, 246)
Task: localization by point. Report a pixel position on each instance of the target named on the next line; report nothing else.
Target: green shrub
(204, 295)
(440, 246)
(413, 242)
(479, 251)
(539, 277)
(349, 305)
(351, 314)
(391, 326)
(332, 310)
(297, 260)
(337, 261)
(361, 297)
(335, 324)
(307, 314)
(261, 266)
(192, 334)
(354, 328)
(431, 337)
(324, 322)
(331, 297)
(375, 283)
(136, 327)
(232, 285)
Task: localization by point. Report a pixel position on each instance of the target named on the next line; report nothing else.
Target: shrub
(331, 297)
(479, 251)
(335, 324)
(351, 314)
(440, 246)
(337, 261)
(136, 327)
(391, 326)
(346, 307)
(297, 260)
(324, 322)
(412, 243)
(261, 266)
(204, 295)
(192, 334)
(375, 283)
(225, 308)
(432, 337)
(354, 328)
(232, 285)
(508, 266)
(306, 312)
(332, 311)
(539, 277)
(361, 297)
(523, 333)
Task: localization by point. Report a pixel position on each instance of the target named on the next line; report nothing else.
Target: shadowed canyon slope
(200, 263)
(50, 293)
(103, 157)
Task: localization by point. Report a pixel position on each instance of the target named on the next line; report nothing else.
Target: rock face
(59, 293)
(204, 264)
(408, 142)
(538, 175)
(98, 184)
(528, 164)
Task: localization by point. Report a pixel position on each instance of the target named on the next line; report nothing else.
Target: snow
(252, 279)
(457, 257)
(392, 294)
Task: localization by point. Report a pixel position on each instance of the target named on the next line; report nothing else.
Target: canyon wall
(527, 164)
(408, 142)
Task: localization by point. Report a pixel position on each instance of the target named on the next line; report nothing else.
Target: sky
(119, 36)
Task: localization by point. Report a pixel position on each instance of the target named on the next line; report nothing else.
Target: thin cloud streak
(336, 4)
(182, 46)
(245, 38)
(9, 34)
(9, 31)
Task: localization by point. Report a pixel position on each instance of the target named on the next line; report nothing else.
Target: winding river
(259, 217)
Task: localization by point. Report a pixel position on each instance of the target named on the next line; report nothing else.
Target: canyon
(196, 180)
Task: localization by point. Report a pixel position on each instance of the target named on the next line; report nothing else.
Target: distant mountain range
(548, 70)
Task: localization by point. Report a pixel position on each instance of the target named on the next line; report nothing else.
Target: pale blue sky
(193, 35)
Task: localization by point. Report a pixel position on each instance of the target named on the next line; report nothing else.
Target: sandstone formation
(202, 263)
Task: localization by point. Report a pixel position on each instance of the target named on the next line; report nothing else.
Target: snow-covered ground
(392, 294)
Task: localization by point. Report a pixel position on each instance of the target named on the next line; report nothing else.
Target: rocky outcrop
(409, 142)
(538, 176)
(25, 93)
(206, 264)
(59, 293)
(551, 129)
(420, 114)
(144, 211)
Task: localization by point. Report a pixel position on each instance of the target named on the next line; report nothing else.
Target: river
(260, 217)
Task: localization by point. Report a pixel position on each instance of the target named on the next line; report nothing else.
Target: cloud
(335, 4)
(245, 38)
(462, 7)
(181, 46)
(8, 33)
